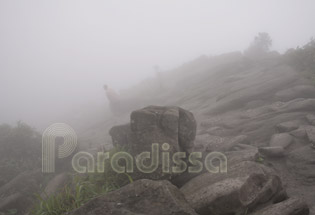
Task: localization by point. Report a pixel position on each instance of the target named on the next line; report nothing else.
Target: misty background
(55, 56)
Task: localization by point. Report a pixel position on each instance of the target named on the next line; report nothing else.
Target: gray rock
(25, 182)
(288, 126)
(120, 134)
(139, 198)
(252, 89)
(299, 133)
(186, 129)
(299, 105)
(245, 185)
(292, 206)
(301, 161)
(300, 91)
(207, 142)
(272, 151)
(311, 118)
(14, 201)
(155, 124)
(310, 132)
(235, 157)
(255, 104)
(217, 131)
(241, 139)
(164, 125)
(241, 146)
(281, 140)
(210, 143)
(55, 184)
(19, 192)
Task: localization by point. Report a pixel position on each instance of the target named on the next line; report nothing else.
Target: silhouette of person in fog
(113, 98)
(159, 77)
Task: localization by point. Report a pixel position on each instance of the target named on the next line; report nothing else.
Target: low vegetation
(303, 59)
(20, 150)
(80, 190)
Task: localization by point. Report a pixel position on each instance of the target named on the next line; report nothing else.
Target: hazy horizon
(56, 55)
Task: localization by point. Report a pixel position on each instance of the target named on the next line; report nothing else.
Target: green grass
(80, 190)
(260, 159)
(9, 212)
(77, 193)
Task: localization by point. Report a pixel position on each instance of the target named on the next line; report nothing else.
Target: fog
(56, 55)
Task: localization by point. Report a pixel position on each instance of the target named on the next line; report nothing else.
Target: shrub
(20, 150)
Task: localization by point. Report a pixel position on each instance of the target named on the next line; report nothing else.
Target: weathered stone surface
(310, 132)
(235, 157)
(299, 105)
(291, 206)
(241, 146)
(245, 185)
(299, 91)
(19, 192)
(281, 140)
(301, 161)
(224, 144)
(120, 134)
(311, 118)
(288, 126)
(155, 124)
(206, 142)
(217, 131)
(247, 90)
(139, 198)
(13, 201)
(25, 182)
(55, 184)
(273, 151)
(187, 130)
(299, 133)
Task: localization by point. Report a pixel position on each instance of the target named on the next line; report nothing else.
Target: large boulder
(244, 186)
(139, 198)
(281, 140)
(155, 124)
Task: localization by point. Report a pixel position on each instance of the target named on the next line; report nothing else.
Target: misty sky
(57, 54)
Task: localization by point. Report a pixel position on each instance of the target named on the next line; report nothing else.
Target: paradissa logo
(141, 160)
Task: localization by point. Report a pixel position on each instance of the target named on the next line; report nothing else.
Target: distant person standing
(113, 98)
(159, 77)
